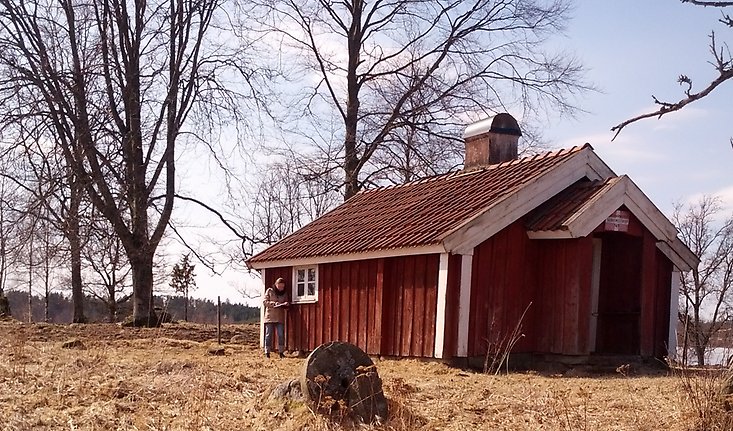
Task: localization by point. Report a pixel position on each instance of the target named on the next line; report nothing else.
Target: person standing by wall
(275, 303)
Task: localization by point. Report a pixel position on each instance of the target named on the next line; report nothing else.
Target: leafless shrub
(500, 346)
(707, 395)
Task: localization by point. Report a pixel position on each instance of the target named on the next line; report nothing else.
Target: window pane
(300, 289)
(301, 275)
(311, 274)
(311, 289)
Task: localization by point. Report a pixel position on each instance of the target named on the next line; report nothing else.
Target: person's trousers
(280, 328)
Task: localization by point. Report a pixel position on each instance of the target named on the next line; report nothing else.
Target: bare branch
(709, 3)
(722, 62)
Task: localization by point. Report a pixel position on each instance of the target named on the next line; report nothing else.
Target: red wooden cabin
(443, 267)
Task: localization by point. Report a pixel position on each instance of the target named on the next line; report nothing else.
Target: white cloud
(726, 199)
(626, 148)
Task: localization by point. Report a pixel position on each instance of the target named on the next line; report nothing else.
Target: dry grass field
(164, 379)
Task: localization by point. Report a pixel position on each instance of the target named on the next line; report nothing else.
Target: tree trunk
(4, 307)
(77, 294)
(46, 298)
(143, 312)
(46, 272)
(700, 351)
(30, 281)
(185, 306)
(112, 300)
(351, 158)
(112, 312)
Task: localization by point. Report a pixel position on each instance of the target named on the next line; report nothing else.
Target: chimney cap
(503, 124)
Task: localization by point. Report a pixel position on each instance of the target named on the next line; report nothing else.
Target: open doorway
(617, 293)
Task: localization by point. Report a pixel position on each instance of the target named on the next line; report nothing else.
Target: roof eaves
(344, 257)
(597, 208)
(519, 201)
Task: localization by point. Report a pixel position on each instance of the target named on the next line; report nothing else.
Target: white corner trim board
(262, 309)
(440, 312)
(673, 310)
(464, 305)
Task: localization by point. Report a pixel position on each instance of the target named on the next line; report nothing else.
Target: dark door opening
(619, 295)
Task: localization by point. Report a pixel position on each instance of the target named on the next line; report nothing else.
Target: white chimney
(491, 141)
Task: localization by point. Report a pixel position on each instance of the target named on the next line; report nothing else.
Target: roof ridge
(539, 156)
(525, 159)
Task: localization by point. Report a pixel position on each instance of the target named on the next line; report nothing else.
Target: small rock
(73, 343)
(217, 351)
(288, 390)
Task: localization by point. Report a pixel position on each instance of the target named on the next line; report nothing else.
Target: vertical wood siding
(349, 297)
(663, 298)
(410, 304)
(656, 285)
(510, 271)
(563, 294)
(500, 273)
(620, 301)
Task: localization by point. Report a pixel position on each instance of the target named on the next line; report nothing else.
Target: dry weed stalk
(499, 347)
(568, 416)
(708, 394)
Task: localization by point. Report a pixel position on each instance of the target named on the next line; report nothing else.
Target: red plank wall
(499, 295)
(410, 305)
(563, 295)
(388, 306)
(384, 306)
(510, 271)
(349, 300)
(655, 298)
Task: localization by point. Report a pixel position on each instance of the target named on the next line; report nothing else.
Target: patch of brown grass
(165, 380)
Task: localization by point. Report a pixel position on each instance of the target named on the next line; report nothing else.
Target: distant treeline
(60, 309)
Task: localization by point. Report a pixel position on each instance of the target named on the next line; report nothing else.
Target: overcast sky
(633, 49)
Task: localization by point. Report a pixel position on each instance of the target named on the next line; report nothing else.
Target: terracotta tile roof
(557, 211)
(415, 214)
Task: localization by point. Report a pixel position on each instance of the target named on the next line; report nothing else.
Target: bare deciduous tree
(117, 84)
(288, 195)
(109, 278)
(721, 60)
(9, 230)
(706, 292)
(386, 69)
(41, 173)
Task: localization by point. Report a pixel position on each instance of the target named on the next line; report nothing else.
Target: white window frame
(305, 298)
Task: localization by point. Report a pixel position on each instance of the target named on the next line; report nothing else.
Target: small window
(305, 284)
